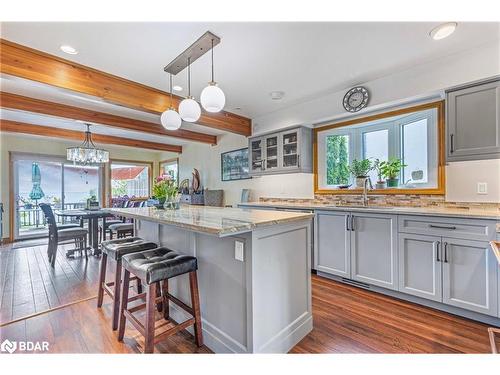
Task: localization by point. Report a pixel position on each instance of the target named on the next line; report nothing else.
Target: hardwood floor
(346, 319)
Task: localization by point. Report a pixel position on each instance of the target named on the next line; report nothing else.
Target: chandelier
(87, 153)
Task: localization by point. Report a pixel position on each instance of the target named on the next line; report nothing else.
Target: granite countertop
(220, 221)
(472, 213)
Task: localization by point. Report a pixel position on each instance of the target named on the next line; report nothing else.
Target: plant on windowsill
(166, 192)
(390, 170)
(377, 165)
(360, 169)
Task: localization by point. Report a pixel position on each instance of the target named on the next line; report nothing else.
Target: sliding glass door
(52, 180)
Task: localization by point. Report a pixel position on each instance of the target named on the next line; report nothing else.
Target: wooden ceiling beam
(23, 103)
(48, 131)
(28, 63)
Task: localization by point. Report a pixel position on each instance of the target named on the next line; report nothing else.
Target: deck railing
(32, 217)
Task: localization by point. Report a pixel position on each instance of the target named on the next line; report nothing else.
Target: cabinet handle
(347, 223)
(353, 228)
(452, 148)
(451, 227)
(298, 161)
(446, 252)
(436, 246)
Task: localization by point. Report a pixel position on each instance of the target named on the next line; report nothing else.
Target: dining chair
(62, 235)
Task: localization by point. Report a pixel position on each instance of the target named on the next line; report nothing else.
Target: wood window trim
(439, 190)
(148, 164)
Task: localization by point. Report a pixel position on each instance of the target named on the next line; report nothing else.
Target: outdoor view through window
(399, 152)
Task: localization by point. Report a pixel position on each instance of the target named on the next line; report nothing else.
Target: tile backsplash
(385, 200)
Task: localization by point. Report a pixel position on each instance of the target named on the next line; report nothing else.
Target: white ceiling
(302, 59)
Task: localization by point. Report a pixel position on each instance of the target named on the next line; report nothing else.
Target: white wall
(206, 159)
(462, 179)
(55, 147)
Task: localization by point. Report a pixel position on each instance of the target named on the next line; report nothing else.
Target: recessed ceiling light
(177, 88)
(443, 30)
(68, 49)
(277, 95)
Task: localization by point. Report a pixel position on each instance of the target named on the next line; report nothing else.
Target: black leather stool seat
(113, 221)
(120, 247)
(159, 264)
(121, 226)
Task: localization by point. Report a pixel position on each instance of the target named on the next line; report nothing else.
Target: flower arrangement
(165, 189)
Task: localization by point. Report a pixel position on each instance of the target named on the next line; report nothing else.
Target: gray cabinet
(374, 249)
(332, 251)
(473, 121)
(420, 271)
(286, 151)
(469, 275)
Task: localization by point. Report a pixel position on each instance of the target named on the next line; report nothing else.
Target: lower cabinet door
(470, 275)
(332, 243)
(374, 244)
(420, 259)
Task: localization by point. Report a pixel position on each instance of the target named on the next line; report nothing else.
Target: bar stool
(151, 267)
(115, 249)
(122, 230)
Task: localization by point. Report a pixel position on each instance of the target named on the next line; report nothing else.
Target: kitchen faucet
(365, 190)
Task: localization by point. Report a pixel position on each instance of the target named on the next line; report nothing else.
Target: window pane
(170, 168)
(414, 152)
(376, 146)
(337, 159)
(129, 180)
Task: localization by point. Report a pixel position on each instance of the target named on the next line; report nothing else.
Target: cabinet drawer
(471, 229)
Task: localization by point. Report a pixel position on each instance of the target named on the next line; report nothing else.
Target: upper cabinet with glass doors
(287, 151)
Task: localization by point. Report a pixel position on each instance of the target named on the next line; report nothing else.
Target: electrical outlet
(239, 253)
(482, 188)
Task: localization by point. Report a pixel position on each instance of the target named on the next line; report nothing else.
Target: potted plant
(166, 192)
(360, 169)
(380, 184)
(390, 170)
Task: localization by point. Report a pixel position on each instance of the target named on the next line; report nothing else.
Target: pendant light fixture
(212, 97)
(189, 109)
(170, 119)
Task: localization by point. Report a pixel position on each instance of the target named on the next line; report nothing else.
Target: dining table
(93, 217)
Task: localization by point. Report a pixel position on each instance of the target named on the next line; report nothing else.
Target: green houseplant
(360, 169)
(165, 190)
(377, 165)
(390, 170)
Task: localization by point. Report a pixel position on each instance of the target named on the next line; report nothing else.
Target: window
(376, 146)
(170, 167)
(410, 135)
(130, 179)
(337, 159)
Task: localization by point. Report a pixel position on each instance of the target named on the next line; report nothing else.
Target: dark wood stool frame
(105, 287)
(153, 297)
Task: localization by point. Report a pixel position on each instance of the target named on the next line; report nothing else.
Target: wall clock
(356, 99)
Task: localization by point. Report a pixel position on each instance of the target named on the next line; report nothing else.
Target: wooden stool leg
(164, 296)
(195, 303)
(116, 294)
(139, 286)
(159, 305)
(102, 279)
(149, 327)
(491, 332)
(124, 303)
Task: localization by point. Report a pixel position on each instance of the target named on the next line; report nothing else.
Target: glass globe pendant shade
(170, 119)
(189, 110)
(212, 98)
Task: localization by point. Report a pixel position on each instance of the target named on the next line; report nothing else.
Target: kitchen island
(254, 272)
